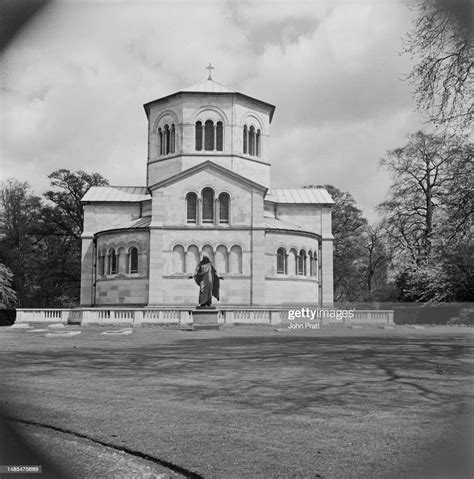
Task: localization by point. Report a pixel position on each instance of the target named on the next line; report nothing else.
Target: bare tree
(441, 45)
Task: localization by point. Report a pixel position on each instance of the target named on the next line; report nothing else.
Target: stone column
(87, 270)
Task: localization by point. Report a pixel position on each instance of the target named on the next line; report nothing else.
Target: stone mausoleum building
(207, 193)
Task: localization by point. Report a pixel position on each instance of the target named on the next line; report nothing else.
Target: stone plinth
(205, 318)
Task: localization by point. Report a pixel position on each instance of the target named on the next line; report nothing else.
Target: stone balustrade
(169, 315)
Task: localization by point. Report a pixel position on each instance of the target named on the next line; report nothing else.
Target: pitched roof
(208, 165)
(209, 86)
(116, 194)
(299, 195)
(138, 223)
(274, 224)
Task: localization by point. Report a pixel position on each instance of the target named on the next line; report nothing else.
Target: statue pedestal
(205, 317)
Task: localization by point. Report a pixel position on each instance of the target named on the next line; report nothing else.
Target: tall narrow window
(167, 140)
(281, 261)
(224, 201)
(258, 143)
(207, 205)
(245, 139)
(219, 136)
(198, 136)
(112, 266)
(252, 141)
(133, 260)
(160, 139)
(172, 146)
(311, 264)
(209, 135)
(191, 208)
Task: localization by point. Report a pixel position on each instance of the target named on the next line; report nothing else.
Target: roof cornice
(147, 106)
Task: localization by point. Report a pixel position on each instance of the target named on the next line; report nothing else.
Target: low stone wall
(137, 316)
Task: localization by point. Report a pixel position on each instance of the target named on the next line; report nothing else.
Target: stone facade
(207, 193)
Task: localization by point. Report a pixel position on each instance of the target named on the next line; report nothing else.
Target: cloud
(74, 84)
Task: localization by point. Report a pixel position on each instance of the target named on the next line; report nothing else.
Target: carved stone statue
(207, 279)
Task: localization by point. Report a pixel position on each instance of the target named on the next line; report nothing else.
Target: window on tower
(166, 139)
(209, 136)
(251, 141)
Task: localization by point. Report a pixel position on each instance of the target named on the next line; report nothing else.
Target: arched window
(224, 201)
(302, 262)
(209, 135)
(191, 208)
(219, 136)
(133, 260)
(178, 259)
(207, 251)
(160, 141)
(207, 205)
(292, 263)
(281, 261)
(235, 260)
(167, 140)
(315, 264)
(221, 259)
(311, 263)
(258, 144)
(172, 139)
(198, 136)
(112, 263)
(245, 139)
(252, 140)
(192, 258)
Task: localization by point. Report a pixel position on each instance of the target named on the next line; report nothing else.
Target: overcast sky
(75, 79)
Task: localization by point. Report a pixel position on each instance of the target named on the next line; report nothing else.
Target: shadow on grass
(279, 374)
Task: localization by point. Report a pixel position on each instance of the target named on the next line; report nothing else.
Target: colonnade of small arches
(209, 136)
(166, 139)
(225, 260)
(207, 208)
(113, 261)
(297, 262)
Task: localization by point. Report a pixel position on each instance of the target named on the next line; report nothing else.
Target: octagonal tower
(208, 122)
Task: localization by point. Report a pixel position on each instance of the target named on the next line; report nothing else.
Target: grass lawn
(253, 402)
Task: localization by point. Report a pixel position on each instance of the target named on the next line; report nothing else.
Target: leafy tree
(441, 43)
(69, 188)
(7, 294)
(359, 255)
(41, 242)
(60, 231)
(428, 215)
(21, 210)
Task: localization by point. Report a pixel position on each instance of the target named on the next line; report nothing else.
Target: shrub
(7, 317)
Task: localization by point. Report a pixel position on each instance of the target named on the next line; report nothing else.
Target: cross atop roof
(210, 68)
